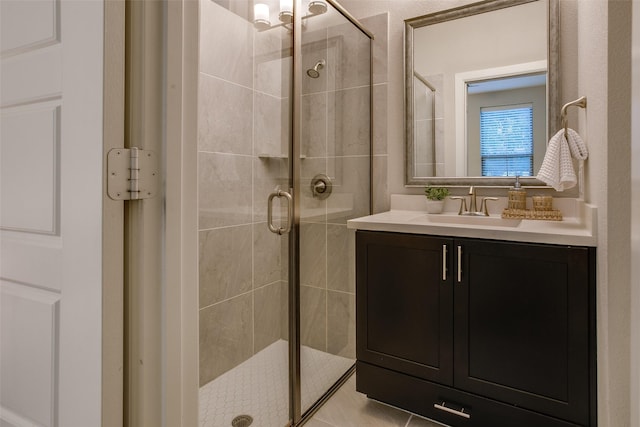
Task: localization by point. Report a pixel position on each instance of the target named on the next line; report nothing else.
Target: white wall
(603, 75)
(476, 44)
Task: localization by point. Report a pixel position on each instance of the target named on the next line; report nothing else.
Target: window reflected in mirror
(505, 117)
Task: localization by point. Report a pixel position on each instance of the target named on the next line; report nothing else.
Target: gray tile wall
(428, 125)
(336, 139)
(243, 109)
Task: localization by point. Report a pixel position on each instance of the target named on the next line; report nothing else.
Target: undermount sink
(469, 220)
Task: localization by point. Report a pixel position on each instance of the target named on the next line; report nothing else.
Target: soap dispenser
(517, 196)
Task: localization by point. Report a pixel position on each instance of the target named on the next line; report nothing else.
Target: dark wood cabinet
(405, 319)
(477, 332)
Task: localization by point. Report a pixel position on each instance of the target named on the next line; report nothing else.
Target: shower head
(314, 72)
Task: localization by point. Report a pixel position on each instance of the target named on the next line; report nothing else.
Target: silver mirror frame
(553, 87)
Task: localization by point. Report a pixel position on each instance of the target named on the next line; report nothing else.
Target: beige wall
(595, 61)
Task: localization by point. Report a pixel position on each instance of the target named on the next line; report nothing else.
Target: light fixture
(317, 7)
(286, 11)
(261, 16)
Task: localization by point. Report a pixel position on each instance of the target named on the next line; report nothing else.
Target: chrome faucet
(472, 199)
(473, 205)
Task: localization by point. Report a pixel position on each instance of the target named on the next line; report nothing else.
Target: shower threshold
(259, 386)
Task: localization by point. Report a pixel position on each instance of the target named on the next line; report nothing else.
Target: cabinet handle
(459, 413)
(459, 264)
(444, 262)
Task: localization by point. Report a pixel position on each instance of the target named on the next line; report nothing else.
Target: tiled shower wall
(336, 142)
(244, 120)
(243, 117)
(428, 127)
(423, 122)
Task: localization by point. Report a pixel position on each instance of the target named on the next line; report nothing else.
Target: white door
(51, 212)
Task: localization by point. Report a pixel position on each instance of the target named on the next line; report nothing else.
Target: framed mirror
(481, 93)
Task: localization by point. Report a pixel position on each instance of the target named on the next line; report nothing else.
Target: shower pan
(284, 160)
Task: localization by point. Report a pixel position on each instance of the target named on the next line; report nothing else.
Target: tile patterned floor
(258, 387)
(348, 408)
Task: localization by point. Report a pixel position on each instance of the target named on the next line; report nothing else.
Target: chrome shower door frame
(297, 417)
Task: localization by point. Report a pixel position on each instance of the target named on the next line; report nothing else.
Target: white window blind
(506, 140)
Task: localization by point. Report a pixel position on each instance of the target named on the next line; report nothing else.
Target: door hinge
(132, 174)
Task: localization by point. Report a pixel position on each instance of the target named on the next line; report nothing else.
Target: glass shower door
(244, 128)
(335, 148)
(276, 274)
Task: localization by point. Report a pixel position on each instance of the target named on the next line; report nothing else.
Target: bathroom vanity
(475, 325)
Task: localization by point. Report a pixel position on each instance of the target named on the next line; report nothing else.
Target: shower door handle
(279, 230)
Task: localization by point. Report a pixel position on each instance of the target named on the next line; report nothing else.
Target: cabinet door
(522, 326)
(405, 304)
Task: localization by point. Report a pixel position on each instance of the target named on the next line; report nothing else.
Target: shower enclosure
(424, 125)
(284, 160)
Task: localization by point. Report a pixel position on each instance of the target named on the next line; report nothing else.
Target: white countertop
(408, 215)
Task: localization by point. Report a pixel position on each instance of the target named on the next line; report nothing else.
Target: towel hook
(580, 102)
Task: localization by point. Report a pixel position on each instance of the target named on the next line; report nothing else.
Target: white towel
(557, 166)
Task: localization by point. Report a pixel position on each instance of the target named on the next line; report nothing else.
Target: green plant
(436, 193)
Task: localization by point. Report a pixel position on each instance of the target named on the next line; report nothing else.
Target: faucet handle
(463, 203)
(483, 204)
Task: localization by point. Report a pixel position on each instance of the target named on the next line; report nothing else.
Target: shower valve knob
(321, 186)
